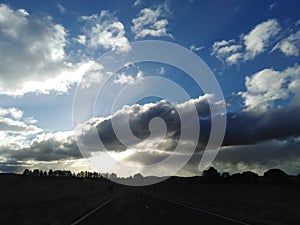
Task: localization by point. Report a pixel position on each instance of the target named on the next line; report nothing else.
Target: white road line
(197, 209)
(94, 210)
(206, 212)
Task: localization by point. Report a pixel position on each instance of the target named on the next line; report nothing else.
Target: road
(136, 208)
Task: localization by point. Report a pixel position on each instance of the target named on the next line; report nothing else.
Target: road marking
(147, 207)
(198, 209)
(207, 212)
(95, 209)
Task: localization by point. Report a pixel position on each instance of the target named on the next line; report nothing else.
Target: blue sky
(252, 47)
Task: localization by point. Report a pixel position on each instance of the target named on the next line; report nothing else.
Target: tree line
(67, 173)
(211, 174)
(274, 174)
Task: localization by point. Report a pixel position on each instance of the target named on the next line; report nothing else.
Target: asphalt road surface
(135, 208)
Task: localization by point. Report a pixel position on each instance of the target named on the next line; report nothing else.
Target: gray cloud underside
(47, 150)
(243, 128)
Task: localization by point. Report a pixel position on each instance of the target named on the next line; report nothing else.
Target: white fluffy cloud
(13, 126)
(128, 79)
(195, 48)
(104, 30)
(150, 22)
(32, 54)
(258, 39)
(268, 85)
(252, 44)
(226, 50)
(13, 112)
(21, 141)
(137, 2)
(290, 46)
(14, 129)
(12, 121)
(23, 144)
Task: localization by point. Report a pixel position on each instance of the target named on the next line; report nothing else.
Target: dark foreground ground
(37, 200)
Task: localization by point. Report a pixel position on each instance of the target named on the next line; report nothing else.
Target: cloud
(15, 131)
(104, 30)
(14, 112)
(32, 54)
(195, 48)
(11, 121)
(267, 86)
(162, 70)
(290, 46)
(247, 128)
(261, 135)
(61, 8)
(234, 58)
(272, 6)
(81, 39)
(258, 39)
(46, 146)
(251, 44)
(128, 79)
(7, 124)
(243, 128)
(260, 157)
(24, 145)
(137, 2)
(139, 119)
(226, 50)
(151, 22)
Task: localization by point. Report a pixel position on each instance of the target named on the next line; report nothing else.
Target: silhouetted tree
(277, 175)
(80, 174)
(245, 177)
(58, 173)
(211, 175)
(211, 172)
(95, 175)
(250, 175)
(225, 175)
(50, 173)
(138, 176)
(67, 173)
(113, 176)
(36, 172)
(236, 177)
(26, 172)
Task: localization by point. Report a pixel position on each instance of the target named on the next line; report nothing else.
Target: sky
(48, 47)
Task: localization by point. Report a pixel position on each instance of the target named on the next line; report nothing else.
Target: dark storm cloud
(243, 128)
(12, 166)
(250, 127)
(266, 139)
(139, 119)
(262, 153)
(49, 149)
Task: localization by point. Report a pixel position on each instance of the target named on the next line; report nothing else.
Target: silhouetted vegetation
(67, 174)
(211, 175)
(277, 175)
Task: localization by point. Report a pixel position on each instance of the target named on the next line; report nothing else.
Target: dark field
(51, 200)
(254, 203)
(36, 200)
